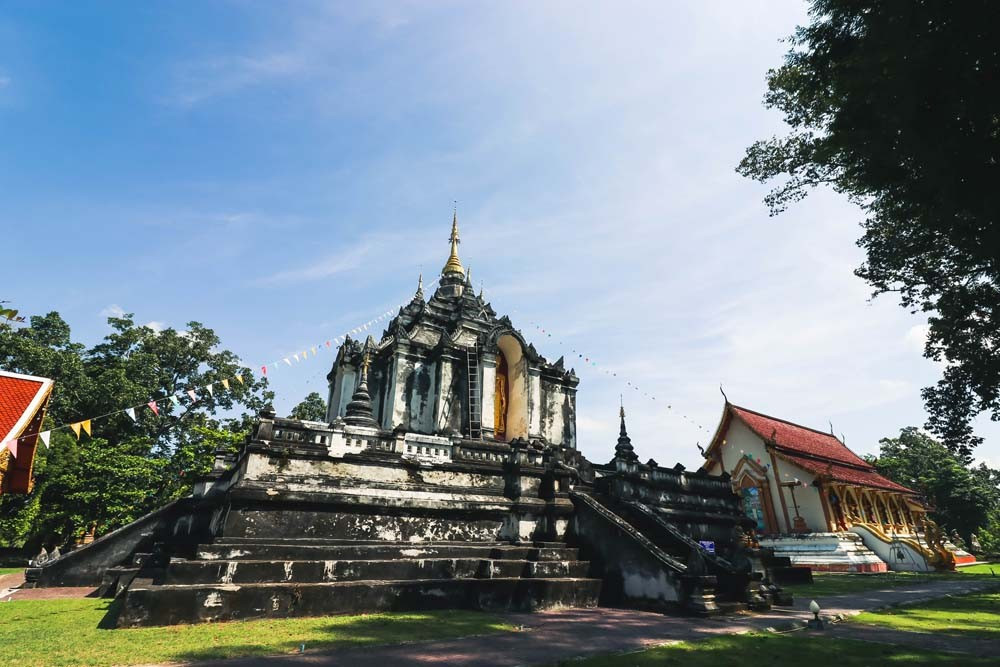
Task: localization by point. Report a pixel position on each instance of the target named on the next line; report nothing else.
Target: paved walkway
(10, 591)
(560, 635)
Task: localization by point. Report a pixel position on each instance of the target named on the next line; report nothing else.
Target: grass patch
(10, 570)
(769, 649)
(976, 614)
(65, 632)
(825, 583)
(980, 568)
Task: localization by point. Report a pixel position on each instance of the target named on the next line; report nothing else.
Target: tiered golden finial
(454, 265)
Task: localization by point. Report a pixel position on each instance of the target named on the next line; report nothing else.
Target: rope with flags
(190, 395)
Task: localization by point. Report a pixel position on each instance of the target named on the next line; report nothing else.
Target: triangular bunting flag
(174, 399)
(12, 446)
(152, 406)
(85, 425)
(239, 378)
(328, 343)
(131, 413)
(208, 386)
(287, 361)
(44, 437)
(314, 350)
(263, 370)
(225, 383)
(305, 354)
(295, 357)
(194, 396)
(76, 429)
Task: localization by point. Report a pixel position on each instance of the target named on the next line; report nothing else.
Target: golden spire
(454, 265)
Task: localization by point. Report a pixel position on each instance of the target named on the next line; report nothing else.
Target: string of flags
(191, 394)
(585, 359)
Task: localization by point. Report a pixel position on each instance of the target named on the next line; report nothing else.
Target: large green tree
(129, 467)
(962, 499)
(312, 408)
(897, 106)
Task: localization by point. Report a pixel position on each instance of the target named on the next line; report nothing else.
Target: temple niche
(449, 366)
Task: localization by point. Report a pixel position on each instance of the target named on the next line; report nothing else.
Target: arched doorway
(501, 397)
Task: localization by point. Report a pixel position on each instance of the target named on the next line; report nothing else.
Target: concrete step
(189, 572)
(166, 605)
(289, 550)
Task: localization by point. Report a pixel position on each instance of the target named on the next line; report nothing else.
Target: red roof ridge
(790, 423)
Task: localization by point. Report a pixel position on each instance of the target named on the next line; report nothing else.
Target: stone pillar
(534, 402)
(488, 364)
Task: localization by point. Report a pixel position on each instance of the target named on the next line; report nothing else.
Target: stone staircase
(234, 578)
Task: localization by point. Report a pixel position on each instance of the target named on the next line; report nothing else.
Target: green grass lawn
(66, 632)
(977, 614)
(788, 649)
(825, 584)
(10, 570)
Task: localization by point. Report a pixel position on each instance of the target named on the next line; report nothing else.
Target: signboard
(707, 545)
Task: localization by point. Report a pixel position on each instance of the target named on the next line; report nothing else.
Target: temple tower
(448, 366)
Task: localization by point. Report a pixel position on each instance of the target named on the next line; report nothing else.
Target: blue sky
(283, 171)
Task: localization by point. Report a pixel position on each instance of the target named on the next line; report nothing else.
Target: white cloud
(156, 325)
(916, 338)
(112, 310)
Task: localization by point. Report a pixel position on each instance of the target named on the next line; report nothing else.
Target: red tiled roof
(17, 394)
(846, 474)
(818, 452)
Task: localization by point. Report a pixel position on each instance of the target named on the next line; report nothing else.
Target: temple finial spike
(454, 265)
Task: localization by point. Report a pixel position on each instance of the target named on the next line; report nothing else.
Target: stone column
(488, 364)
(534, 402)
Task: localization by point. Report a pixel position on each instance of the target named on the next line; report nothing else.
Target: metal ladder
(475, 395)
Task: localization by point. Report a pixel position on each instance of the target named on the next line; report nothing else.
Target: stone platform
(242, 578)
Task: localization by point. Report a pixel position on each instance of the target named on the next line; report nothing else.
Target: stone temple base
(826, 552)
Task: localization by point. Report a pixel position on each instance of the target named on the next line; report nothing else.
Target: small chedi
(447, 475)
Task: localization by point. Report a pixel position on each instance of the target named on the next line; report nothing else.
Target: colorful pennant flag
(239, 378)
(131, 413)
(44, 437)
(263, 370)
(76, 429)
(174, 399)
(225, 383)
(12, 446)
(295, 356)
(208, 386)
(85, 425)
(152, 406)
(287, 361)
(194, 396)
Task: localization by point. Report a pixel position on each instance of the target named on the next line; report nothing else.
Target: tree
(962, 499)
(896, 105)
(128, 468)
(312, 408)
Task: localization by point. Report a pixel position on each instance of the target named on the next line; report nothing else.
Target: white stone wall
(740, 440)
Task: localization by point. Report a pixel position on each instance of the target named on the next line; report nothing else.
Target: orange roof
(818, 452)
(22, 407)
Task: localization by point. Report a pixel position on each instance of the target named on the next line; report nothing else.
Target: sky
(282, 172)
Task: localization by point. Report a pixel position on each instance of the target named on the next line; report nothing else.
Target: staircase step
(165, 605)
(193, 572)
(281, 550)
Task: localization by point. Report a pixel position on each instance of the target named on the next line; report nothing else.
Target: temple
(23, 402)
(817, 502)
(446, 474)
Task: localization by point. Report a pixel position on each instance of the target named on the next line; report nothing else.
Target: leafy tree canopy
(128, 468)
(897, 105)
(312, 408)
(963, 499)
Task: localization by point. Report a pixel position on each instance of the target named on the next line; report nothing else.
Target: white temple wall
(488, 363)
(740, 440)
(343, 389)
